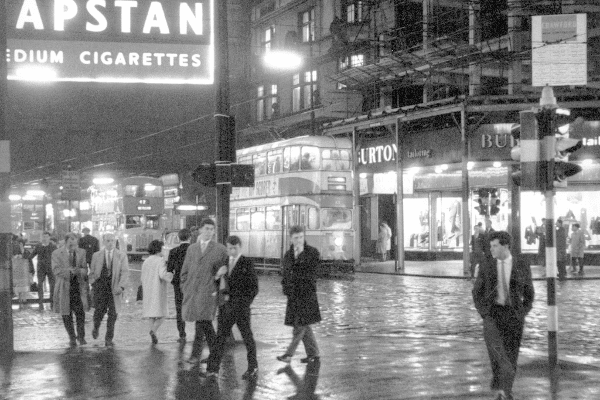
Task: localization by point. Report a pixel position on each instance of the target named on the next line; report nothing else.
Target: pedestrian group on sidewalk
(209, 277)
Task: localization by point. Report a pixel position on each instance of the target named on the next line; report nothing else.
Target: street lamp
(282, 60)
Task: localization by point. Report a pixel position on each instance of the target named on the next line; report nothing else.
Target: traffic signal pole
(6, 321)
(225, 129)
(546, 132)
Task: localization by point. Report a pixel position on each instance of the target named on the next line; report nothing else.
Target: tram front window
(133, 221)
(334, 218)
(152, 221)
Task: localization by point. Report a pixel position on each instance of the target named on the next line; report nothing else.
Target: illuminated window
(308, 25)
(291, 158)
(310, 158)
(260, 164)
(305, 91)
(336, 160)
(267, 42)
(267, 105)
(313, 218)
(257, 219)
(355, 60)
(354, 10)
(273, 218)
(274, 161)
(242, 222)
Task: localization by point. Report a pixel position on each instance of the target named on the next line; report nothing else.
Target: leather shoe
(192, 360)
(285, 358)
(153, 337)
(109, 343)
(82, 341)
(310, 359)
(252, 373)
(73, 342)
(181, 339)
(95, 333)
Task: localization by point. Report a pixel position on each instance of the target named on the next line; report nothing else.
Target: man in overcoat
(299, 283)
(242, 285)
(202, 261)
(90, 244)
(69, 267)
(577, 248)
(503, 295)
(109, 274)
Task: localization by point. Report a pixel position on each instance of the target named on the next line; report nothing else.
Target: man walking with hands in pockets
(503, 295)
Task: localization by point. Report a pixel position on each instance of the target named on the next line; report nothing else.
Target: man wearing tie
(71, 288)
(503, 295)
(242, 286)
(109, 272)
(202, 261)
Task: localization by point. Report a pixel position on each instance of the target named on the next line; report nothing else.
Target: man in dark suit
(242, 285)
(43, 252)
(503, 295)
(90, 244)
(174, 264)
(299, 283)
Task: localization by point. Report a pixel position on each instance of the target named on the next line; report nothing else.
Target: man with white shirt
(503, 295)
(242, 287)
(109, 272)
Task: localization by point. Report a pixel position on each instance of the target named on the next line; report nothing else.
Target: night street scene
(300, 199)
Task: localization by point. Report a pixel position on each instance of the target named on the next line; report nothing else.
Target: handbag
(140, 293)
(33, 287)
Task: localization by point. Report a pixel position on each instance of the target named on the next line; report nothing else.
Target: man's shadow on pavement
(305, 388)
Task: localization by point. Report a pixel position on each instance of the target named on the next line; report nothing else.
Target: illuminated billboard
(166, 41)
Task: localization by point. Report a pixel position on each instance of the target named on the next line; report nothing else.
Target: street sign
(559, 50)
(71, 187)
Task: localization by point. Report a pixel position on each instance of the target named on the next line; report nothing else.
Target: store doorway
(375, 209)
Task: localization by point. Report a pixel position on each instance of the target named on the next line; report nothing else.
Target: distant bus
(301, 181)
(133, 209)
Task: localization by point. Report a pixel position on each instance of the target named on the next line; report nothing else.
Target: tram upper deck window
(133, 221)
(335, 218)
(260, 164)
(257, 219)
(274, 161)
(310, 158)
(336, 160)
(291, 158)
(147, 190)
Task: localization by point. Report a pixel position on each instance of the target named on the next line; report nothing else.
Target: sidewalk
(454, 269)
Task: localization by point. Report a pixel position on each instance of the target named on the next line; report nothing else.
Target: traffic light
(488, 201)
(562, 167)
(205, 174)
(530, 173)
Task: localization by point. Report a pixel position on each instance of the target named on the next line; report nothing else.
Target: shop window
(274, 162)
(416, 223)
(335, 218)
(310, 158)
(291, 158)
(260, 164)
(242, 220)
(273, 218)
(257, 219)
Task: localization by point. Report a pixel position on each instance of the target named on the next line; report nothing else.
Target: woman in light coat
(154, 282)
(384, 240)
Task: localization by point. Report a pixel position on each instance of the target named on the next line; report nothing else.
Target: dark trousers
(561, 264)
(502, 331)
(105, 302)
(76, 308)
(204, 328)
(234, 312)
(42, 273)
(579, 261)
(178, 302)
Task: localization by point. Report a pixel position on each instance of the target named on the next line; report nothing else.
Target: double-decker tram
(301, 181)
(133, 209)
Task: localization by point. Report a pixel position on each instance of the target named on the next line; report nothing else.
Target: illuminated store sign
(111, 41)
(377, 154)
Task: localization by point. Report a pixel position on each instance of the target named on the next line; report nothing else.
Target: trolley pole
(548, 152)
(6, 321)
(225, 128)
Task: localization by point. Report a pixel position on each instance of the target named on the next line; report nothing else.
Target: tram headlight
(338, 241)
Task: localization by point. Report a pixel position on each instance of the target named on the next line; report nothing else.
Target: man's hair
(296, 229)
(503, 237)
(47, 233)
(85, 230)
(577, 225)
(70, 235)
(479, 223)
(184, 234)
(104, 235)
(206, 221)
(234, 240)
(155, 247)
